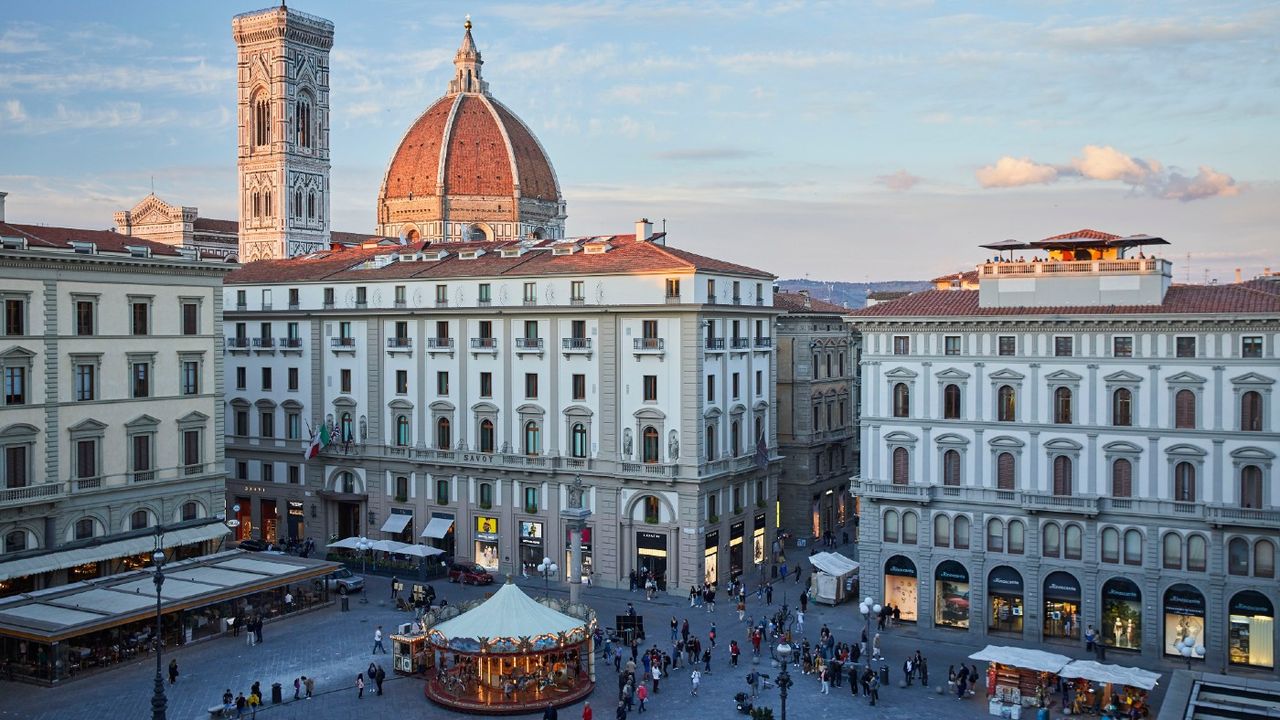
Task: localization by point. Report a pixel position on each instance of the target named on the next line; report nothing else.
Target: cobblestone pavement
(332, 646)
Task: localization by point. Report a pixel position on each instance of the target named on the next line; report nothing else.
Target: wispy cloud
(21, 38)
(1013, 172)
(1105, 163)
(900, 181)
(706, 154)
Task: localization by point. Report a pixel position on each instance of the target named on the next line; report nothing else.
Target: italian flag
(319, 441)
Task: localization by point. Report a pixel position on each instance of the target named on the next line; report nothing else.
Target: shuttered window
(1005, 478)
(1251, 411)
(1184, 482)
(1250, 486)
(1062, 475)
(951, 467)
(901, 466)
(1122, 478)
(1184, 409)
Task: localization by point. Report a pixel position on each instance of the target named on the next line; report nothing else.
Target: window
(1238, 556)
(486, 495)
(486, 384)
(941, 530)
(15, 316)
(951, 467)
(242, 380)
(901, 345)
(578, 440)
(1006, 404)
(16, 466)
(302, 123)
(909, 527)
(293, 426)
(191, 377)
(139, 317)
(736, 384)
(261, 121)
(578, 329)
(346, 428)
(293, 297)
(651, 509)
(649, 444)
(1062, 406)
(1171, 556)
(901, 466)
(532, 438)
(760, 382)
(15, 541)
(1005, 469)
(961, 534)
(1007, 345)
(1122, 407)
(576, 292)
(1062, 476)
(711, 388)
(85, 528)
(1264, 559)
(1184, 482)
(1132, 547)
(1062, 346)
(485, 294)
(442, 492)
(711, 290)
(951, 345)
(1251, 346)
(1121, 478)
(1184, 409)
(651, 388)
(1185, 347)
(1251, 411)
(402, 381)
(1074, 542)
(890, 527)
(486, 436)
(1050, 540)
(86, 378)
(531, 385)
(735, 439)
(86, 459)
(995, 535)
(1251, 486)
(486, 329)
(442, 382)
(266, 378)
(267, 423)
(737, 292)
(84, 317)
(1017, 537)
(292, 379)
(530, 329)
(402, 431)
(1122, 347)
(1110, 545)
(951, 402)
(901, 400)
(530, 293)
(190, 318)
(673, 288)
(15, 385)
(139, 520)
(1197, 550)
(649, 329)
(711, 442)
(242, 423)
(344, 381)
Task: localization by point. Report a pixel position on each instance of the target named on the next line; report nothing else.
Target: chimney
(644, 229)
(1238, 276)
(808, 303)
(2, 196)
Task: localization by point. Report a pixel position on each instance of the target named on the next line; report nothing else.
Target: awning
(1038, 660)
(833, 563)
(437, 528)
(396, 523)
(63, 559)
(1114, 674)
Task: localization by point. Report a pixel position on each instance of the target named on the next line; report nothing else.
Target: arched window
(1172, 555)
(402, 430)
(650, 444)
(910, 523)
(1238, 556)
(941, 530)
(995, 535)
(486, 436)
(901, 466)
(347, 482)
(311, 205)
(1121, 478)
(961, 532)
(1132, 547)
(1264, 559)
(1062, 406)
(15, 541)
(532, 438)
(1062, 476)
(1184, 409)
(1017, 537)
(297, 203)
(901, 400)
(1005, 471)
(1184, 482)
(951, 402)
(1110, 545)
(651, 509)
(345, 428)
(302, 122)
(1050, 540)
(1073, 542)
(951, 467)
(189, 511)
(1251, 486)
(578, 437)
(261, 122)
(1122, 407)
(1251, 411)
(444, 433)
(1197, 552)
(890, 530)
(735, 438)
(1006, 404)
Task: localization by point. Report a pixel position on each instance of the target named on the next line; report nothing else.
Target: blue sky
(838, 140)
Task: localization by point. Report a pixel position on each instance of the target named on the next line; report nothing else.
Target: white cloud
(1206, 183)
(1107, 164)
(21, 39)
(14, 112)
(900, 181)
(1013, 172)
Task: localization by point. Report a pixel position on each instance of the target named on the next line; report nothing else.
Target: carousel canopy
(1114, 674)
(1038, 660)
(508, 614)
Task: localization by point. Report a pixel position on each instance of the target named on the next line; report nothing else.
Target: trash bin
(884, 676)
(345, 603)
(277, 696)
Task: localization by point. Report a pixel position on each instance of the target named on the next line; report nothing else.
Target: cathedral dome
(469, 162)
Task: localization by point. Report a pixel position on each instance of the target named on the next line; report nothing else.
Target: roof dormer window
(84, 248)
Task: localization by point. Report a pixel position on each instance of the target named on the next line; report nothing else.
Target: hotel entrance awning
(437, 528)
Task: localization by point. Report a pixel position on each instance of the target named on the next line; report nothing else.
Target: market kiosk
(1110, 689)
(1019, 678)
(834, 579)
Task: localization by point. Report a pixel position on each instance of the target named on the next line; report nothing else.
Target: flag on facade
(762, 452)
(319, 441)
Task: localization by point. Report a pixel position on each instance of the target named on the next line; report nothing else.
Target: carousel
(511, 654)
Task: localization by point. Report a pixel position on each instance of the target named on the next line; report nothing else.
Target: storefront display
(757, 541)
(1184, 634)
(1004, 588)
(296, 520)
(1121, 614)
(587, 568)
(951, 595)
(1251, 632)
(710, 558)
(243, 511)
(1061, 606)
(487, 553)
(270, 520)
(901, 587)
(651, 556)
(531, 548)
(736, 531)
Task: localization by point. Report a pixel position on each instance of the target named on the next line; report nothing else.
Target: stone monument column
(576, 518)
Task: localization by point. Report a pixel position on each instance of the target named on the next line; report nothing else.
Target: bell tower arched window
(261, 121)
(302, 123)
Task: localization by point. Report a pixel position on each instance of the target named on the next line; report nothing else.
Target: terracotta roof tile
(1085, 234)
(794, 302)
(44, 236)
(213, 225)
(1179, 300)
(965, 276)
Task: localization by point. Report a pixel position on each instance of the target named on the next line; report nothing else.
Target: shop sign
(1184, 599)
(900, 566)
(1250, 603)
(712, 539)
(1120, 589)
(651, 540)
(735, 530)
(482, 458)
(952, 571)
(759, 520)
(295, 508)
(1061, 586)
(1005, 580)
(486, 528)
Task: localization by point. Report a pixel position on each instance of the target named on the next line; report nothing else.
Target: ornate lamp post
(547, 568)
(784, 677)
(158, 702)
(363, 545)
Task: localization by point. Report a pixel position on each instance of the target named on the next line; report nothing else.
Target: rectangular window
(951, 345)
(673, 288)
(650, 388)
(578, 329)
(486, 329)
(139, 316)
(486, 384)
(402, 382)
(344, 331)
(267, 424)
(241, 381)
(293, 297)
(344, 381)
(15, 386)
(242, 423)
(1122, 346)
(402, 332)
(486, 294)
(531, 329)
(531, 385)
(736, 388)
(1008, 345)
(1251, 346)
(293, 379)
(190, 318)
(442, 491)
(711, 388)
(295, 475)
(442, 329)
(737, 292)
(191, 452)
(530, 293)
(15, 316)
(242, 297)
(442, 382)
(579, 387)
(649, 329)
(759, 382)
(191, 377)
(328, 297)
(15, 466)
(293, 426)
(1062, 346)
(268, 472)
(266, 378)
(142, 458)
(140, 376)
(362, 295)
(576, 292)
(711, 291)
(400, 296)
(86, 459)
(84, 317)
(901, 345)
(86, 376)
(1185, 347)
(442, 294)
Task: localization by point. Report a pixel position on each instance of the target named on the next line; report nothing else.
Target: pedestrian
(742, 609)
(695, 678)
(906, 670)
(377, 641)
(826, 680)
(962, 686)
(257, 628)
(255, 699)
(837, 671)
(768, 594)
(853, 680)
(797, 574)
(693, 595)
(379, 676)
(228, 703)
(359, 686)
(309, 684)
(394, 583)
(657, 676)
(549, 713)
(621, 712)
(800, 622)
(804, 599)
(973, 680)
(288, 601)
(734, 652)
(240, 704)
(706, 660)
(297, 688)
(235, 622)
(675, 628)
(875, 647)
(173, 671)
(684, 630)
(875, 689)
(251, 638)
(642, 694)
(1089, 636)
(617, 660)
(712, 635)
(586, 711)
(922, 667)
(866, 681)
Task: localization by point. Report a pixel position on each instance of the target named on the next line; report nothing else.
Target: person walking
(297, 688)
(173, 671)
(804, 602)
(853, 680)
(695, 678)
(621, 712)
(251, 637)
(359, 686)
(712, 635)
(768, 593)
(706, 661)
(377, 641)
(642, 694)
(550, 713)
(1090, 635)
(826, 680)
(308, 684)
(257, 628)
(742, 609)
(875, 689)
(922, 667)
(875, 647)
(657, 676)
(800, 622)
(586, 711)
(378, 677)
(734, 652)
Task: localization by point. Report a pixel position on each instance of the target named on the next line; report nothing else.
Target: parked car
(252, 545)
(469, 574)
(344, 582)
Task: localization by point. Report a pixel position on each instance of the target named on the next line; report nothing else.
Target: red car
(469, 574)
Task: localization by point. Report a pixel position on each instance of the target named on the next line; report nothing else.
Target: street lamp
(158, 702)
(547, 568)
(784, 677)
(363, 545)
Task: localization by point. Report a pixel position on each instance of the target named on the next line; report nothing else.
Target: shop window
(1122, 407)
(951, 402)
(961, 532)
(901, 400)
(1006, 404)
(1172, 552)
(890, 530)
(1121, 478)
(1050, 540)
(1073, 545)
(1132, 547)
(995, 535)
(1110, 545)
(941, 530)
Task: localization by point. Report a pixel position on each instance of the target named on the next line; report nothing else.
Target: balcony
(484, 345)
(1154, 266)
(141, 476)
(238, 344)
(714, 344)
(528, 345)
(673, 299)
(399, 345)
(1221, 515)
(737, 299)
(290, 345)
(264, 345)
(440, 345)
(739, 343)
(577, 301)
(1037, 502)
(576, 346)
(646, 471)
(343, 344)
(30, 494)
(484, 302)
(649, 346)
(530, 301)
(442, 302)
(890, 491)
(764, 343)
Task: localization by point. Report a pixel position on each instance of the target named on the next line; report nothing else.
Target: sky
(856, 141)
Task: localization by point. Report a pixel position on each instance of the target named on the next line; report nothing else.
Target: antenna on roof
(1188, 268)
(664, 226)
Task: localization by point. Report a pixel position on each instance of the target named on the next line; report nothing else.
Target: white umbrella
(419, 551)
(345, 543)
(386, 545)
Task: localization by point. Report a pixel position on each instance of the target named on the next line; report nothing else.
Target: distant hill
(851, 294)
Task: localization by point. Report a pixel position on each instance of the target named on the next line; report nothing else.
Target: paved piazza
(333, 646)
